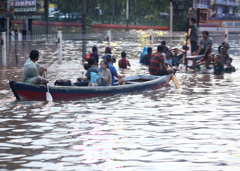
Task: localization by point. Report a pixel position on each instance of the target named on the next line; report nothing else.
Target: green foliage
(140, 11)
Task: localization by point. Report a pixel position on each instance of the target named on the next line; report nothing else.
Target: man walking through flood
(193, 35)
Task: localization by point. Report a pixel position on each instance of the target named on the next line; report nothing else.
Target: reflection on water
(193, 128)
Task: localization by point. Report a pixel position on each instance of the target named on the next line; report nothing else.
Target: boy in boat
(121, 80)
(157, 64)
(229, 68)
(33, 72)
(124, 63)
(205, 48)
(146, 58)
(218, 67)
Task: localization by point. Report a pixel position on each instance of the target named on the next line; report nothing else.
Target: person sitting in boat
(92, 68)
(80, 81)
(205, 48)
(33, 72)
(224, 56)
(109, 52)
(144, 52)
(95, 54)
(168, 59)
(177, 58)
(157, 64)
(218, 67)
(146, 58)
(121, 80)
(229, 68)
(123, 63)
(105, 73)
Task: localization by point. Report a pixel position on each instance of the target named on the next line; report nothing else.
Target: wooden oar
(175, 81)
(174, 78)
(48, 95)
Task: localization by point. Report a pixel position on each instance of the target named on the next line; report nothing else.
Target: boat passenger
(95, 54)
(80, 81)
(157, 65)
(229, 68)
(123, 63)
(224, 56)
(205, 48)
(218, 67)
(121, 80)
(105, 73)
(33, 72)
(168, 59)
(92, 68)
(144, 52)
(146, 58)
(109, 52)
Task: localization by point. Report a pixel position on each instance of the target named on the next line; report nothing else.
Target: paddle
(48, 95)
(175, 81)
(174, 78)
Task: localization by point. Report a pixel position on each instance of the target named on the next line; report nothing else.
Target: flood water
(192, 128)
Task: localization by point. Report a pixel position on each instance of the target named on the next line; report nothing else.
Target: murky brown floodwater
(193, 128)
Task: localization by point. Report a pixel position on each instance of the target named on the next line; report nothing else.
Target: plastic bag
(95, 78)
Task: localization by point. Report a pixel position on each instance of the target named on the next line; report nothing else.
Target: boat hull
(25, 91)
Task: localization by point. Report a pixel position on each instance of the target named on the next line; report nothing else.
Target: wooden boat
(26, 91)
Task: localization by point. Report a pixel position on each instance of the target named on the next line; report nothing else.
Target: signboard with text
(23, 5)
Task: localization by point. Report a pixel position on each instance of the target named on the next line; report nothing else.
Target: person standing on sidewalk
(193, 35)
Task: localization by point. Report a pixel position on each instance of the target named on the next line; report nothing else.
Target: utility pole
(84, 9)
(171, 23)
(127, 14)
(8, 22)
(46, 3)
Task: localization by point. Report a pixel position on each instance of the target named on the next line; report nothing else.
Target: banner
(23, 5)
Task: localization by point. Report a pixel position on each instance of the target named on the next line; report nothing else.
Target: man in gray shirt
(33, 72)
(205, 47)
(194, 35)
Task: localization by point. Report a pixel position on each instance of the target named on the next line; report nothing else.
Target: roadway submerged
(190, 128)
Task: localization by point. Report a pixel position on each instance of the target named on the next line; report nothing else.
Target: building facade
(221, 14)
(219, 9)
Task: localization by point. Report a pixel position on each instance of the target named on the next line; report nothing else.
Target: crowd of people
(163, 62)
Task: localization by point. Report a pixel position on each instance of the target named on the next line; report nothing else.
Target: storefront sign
(23, 5)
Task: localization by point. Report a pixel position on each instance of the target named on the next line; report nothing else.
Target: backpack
(62, 82)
